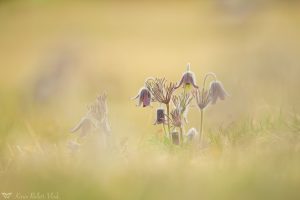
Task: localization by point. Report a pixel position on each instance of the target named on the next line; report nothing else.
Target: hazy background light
(56, 56)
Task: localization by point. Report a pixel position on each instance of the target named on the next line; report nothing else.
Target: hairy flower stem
(201, 126)
(181, 134)
(165, 132)
(206, 76)
(184, 93)
(168, 116)
(202, 110)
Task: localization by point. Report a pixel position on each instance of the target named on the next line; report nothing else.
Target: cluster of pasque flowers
(173, 106)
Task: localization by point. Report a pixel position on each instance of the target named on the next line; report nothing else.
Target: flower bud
(160, 116)
(191, 134)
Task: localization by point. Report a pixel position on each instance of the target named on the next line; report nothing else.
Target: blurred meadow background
(57, 55)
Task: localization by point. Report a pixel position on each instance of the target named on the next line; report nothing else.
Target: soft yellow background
(252, 46)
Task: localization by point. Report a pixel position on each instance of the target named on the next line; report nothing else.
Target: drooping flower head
(144, 97)
(217, 91)
(188, 79)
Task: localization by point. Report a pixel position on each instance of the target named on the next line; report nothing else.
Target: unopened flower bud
(160, 116)
(191, 134)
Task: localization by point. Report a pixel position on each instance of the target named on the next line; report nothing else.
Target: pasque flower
(144, 97)
(161, 91)
(187, 79)
(217, 91)
(204, 98)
